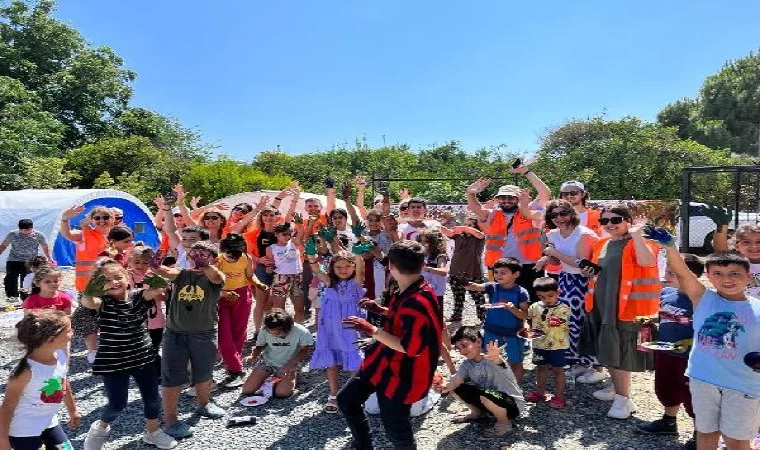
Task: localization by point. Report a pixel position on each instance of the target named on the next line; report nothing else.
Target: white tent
(44, 207)
(253, 198)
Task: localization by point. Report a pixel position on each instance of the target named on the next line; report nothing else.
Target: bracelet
(164, 209)
(278, 198)
(527, 172)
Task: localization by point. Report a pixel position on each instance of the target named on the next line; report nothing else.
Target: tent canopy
(253, 198)
(45, 206)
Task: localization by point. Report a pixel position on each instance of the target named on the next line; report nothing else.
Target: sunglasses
(211, 218)
(506, 197)
(554, 215)
(177, 215)
(569, 193)
(101, 217)
(118, 217)
(403, 208)
(613, 220)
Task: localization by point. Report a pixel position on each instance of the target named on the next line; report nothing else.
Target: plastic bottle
(241, 421)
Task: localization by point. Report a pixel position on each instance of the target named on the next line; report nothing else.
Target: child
(27, 286)
(747, 243)
(287, 270)
(507, 308)
(48, 280)
(466, 265)
(317, 287)
(38, 384)
(725, 392)
(138, 267)
(190, 334)
(25, 243)
(234, 306)
(119, 244)
(485, 383)
(336, 347)
(434, 272)
(551, 317)
(670, 384)
(124, 351)
(281, 345)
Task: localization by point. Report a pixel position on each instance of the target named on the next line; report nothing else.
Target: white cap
(572, 184)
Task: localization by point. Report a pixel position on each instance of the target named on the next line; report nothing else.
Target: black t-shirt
(264, 240)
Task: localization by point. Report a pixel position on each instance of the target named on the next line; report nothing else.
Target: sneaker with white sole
(606, 395)
(91, 356)
(622, 408)
(579, 370)
(591, 377)
(159, 439)
(96, 437)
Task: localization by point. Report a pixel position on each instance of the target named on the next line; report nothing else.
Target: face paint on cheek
(200, 261)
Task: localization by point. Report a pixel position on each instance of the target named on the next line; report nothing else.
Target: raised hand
(360, 325)
(358, 228)
(639, 222)
(73, 211)
(721, 216)
(297, 218)
(404, 194)
(96, 287)
(345, 191)
(361, 181)
(523, 167)
(524, 197)
(194, 202)
(310, 246)
(659, 235)
(159, 202)
(179, 193)
(221, 206)
(361, 248)
(327, 233)
(155, 281)
(329, 183)
(494, 352)
(263, 202)
(479, 185)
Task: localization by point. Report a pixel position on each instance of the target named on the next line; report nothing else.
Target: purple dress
(335, 344)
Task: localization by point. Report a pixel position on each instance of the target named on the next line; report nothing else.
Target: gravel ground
(299, 423)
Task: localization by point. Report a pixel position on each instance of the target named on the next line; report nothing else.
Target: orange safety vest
(93, 243)
(639, 286)
(528, 237)
(592, 221)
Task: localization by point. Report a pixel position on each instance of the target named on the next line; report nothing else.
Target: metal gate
(736, 188)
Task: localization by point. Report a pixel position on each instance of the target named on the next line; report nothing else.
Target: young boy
(281, 345)
(670, 384)
(506, 311)
(725, 392)
(551, 317)
(485, 383)
(190, 335)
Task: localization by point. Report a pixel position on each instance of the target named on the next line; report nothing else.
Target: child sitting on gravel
(549, 316)
(485, 383)
(281, 345)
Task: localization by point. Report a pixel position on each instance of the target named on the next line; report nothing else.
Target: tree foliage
(225, 177)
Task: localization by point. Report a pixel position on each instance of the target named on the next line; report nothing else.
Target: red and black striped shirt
(416, 317)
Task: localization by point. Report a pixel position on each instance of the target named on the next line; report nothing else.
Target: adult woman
(466, 265)
(627, 287)
(90, 240)
(257, 241)
(569, 242)
(215, 223)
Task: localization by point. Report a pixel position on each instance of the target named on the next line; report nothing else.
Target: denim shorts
(178, 348)
(262, 275)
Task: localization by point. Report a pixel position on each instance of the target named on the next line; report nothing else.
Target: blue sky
(306, 75)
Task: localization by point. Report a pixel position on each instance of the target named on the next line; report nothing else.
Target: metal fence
(735, 188)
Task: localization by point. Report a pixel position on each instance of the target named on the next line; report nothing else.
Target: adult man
(511, 230)
(400, 365)
(575, 192)
(25, 243)
(415, 220)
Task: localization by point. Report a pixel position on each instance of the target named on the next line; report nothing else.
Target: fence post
(737, 194)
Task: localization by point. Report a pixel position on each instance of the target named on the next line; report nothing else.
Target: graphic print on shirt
(191, 293)
(719, 334)
(672, 314)
(288, 255)
(52, 390)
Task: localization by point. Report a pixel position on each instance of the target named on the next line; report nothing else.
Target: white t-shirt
(568, 245)
(38, 406)
(410, 232)
(287, 259)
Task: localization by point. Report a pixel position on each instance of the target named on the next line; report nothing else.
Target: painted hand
(345, 191)
(155, 281)
(362, 248)
(358, 228)
(297, 218)
(721, 216)
(555, 321)
(360, 325)
(310, 246)
(329, 183)
(659, 235)
(96, 286)
(327, 233)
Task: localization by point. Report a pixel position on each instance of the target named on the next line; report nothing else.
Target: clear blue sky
(307, 74)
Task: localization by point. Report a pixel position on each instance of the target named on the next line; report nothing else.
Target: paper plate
(493, 306)
(530, 335)
(667, 346)
(254, 400)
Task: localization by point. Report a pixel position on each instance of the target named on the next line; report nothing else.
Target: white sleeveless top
(287, 259)
(38, 406)
(568, 245)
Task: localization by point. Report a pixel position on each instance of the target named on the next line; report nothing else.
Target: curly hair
(433, 241)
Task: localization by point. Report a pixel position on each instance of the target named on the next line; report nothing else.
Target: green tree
(47, 172)
(225, 177)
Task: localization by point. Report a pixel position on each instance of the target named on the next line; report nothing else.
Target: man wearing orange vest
(510, 228)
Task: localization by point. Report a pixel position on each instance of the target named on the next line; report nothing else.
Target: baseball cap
(508, 189)
(572, 184)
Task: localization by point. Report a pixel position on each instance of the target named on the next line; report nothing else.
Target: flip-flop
(498, 431)
(331, 407)
(466, 418)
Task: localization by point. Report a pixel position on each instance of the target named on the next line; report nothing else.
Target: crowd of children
(192, 299)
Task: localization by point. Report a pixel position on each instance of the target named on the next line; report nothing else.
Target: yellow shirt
(234, 271)
(557, 329)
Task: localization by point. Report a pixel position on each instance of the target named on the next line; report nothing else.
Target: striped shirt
(416, 317)
(124, 343)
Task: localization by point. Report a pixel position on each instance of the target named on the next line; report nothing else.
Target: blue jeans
(117, 388)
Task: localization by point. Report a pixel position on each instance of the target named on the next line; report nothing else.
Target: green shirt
(193, 303)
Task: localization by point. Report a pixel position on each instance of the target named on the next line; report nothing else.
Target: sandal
(466, 418)
(499, 430)
(331, 407)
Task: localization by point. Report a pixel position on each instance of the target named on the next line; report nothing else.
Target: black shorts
(471, 394)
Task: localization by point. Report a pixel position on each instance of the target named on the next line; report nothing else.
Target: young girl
(287, 270)
(48, 279)
(234, 306)
(336, 346)
(435, 272)
(257, 242)
(339, 221)
(138, 267)
(466, 265)
(124, 351)
(120, 240)
(38, 385)
(27, 285)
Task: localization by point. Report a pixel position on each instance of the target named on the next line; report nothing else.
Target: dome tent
(45, 206)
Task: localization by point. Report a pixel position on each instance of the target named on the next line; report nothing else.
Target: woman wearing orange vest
(627, 287)
(90, 240)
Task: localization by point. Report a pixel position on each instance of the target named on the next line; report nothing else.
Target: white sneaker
(96, 437)
(622, 408)
(91, 356)
(579, 370)
(159, 439)
(591, 377)
(606, 395)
